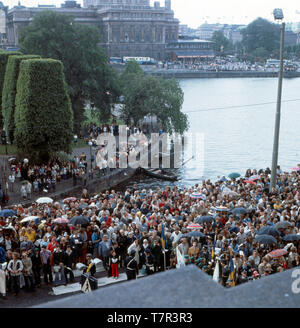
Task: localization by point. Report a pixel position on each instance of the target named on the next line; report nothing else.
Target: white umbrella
(44, 200)
(29, 218)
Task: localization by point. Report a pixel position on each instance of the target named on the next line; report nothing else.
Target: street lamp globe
(90, 143)
(278, 14)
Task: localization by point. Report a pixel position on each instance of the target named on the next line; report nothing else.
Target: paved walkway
(15, 196)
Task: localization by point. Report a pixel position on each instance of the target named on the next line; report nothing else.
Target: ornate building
(127, 27)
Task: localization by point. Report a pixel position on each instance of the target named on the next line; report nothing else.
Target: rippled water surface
(241, 137)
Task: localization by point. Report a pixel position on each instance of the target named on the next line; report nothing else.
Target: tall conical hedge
(3, 61)
(43, 113)
(9, 92)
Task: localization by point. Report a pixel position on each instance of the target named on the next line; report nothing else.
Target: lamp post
(91, 144)
(278, 15)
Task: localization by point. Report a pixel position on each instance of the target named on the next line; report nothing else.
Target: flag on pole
(180, 259)
(232, 271)
(163, 236)
(216, 275)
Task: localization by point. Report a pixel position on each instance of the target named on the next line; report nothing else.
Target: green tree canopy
(3, 61)
(43, 114)
(147, 95)
(221, 43)
(261, 34)
(89, 79)
(9, 92)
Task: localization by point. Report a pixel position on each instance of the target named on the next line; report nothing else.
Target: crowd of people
(235, 223)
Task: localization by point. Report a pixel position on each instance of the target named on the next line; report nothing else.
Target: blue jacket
(2, 255)
(104, 251)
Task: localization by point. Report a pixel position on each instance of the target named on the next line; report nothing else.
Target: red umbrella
(70, 199)
(278, 253)
(60, 220)
(194, 226)
(249, 181)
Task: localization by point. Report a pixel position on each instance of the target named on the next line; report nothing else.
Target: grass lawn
(11, 150)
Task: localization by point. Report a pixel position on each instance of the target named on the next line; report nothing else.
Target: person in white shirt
(11, 179)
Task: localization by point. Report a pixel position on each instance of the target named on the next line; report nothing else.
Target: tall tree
(221, 43)
(54, 35)
(9, 92)
(261, 34)
(148, 95)
(3, 61)
(43, 114)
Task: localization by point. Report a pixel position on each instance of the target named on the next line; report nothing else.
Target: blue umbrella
(239, 210)
(291, 237)
(6, 213)
(194, 234)
(234, 175)
(269, 231)
(206, 218)
(220, 209)
(266, 239)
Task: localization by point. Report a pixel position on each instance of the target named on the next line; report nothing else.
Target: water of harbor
(236, 117)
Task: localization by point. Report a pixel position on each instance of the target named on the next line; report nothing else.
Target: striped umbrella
(69, 199)
(198, 195)
(295, 168)
(254, 177)
(194, 226)
(60, 221)
(278, 253)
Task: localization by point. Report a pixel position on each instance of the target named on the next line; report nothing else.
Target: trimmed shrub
(9, 92)
(43, 113)
(3, 61)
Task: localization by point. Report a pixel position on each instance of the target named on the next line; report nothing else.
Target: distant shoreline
(180, 74)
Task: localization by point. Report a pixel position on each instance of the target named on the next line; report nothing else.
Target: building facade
(127, 27)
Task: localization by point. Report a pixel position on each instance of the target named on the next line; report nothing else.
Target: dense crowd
(235, 223)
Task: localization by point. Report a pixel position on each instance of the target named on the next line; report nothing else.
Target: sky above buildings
(196, 12)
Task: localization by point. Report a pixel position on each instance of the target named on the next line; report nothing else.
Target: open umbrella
(291, 237)
(283, 225)
(272, 231)
(9, 227)
(295, 168)
(250, 182)
(234, 175)
(254, 177)
(6, 213)
(194, 234)
(239, 210)
(205, 218)
(221, 209)
(69, 199)
(29, 218)
(266, 239)
(198, 195)
(278, 253)
(60, 221)
(44, 200)
(193, 226)
(82, 220)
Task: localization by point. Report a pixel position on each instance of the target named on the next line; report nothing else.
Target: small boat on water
(158, 174)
